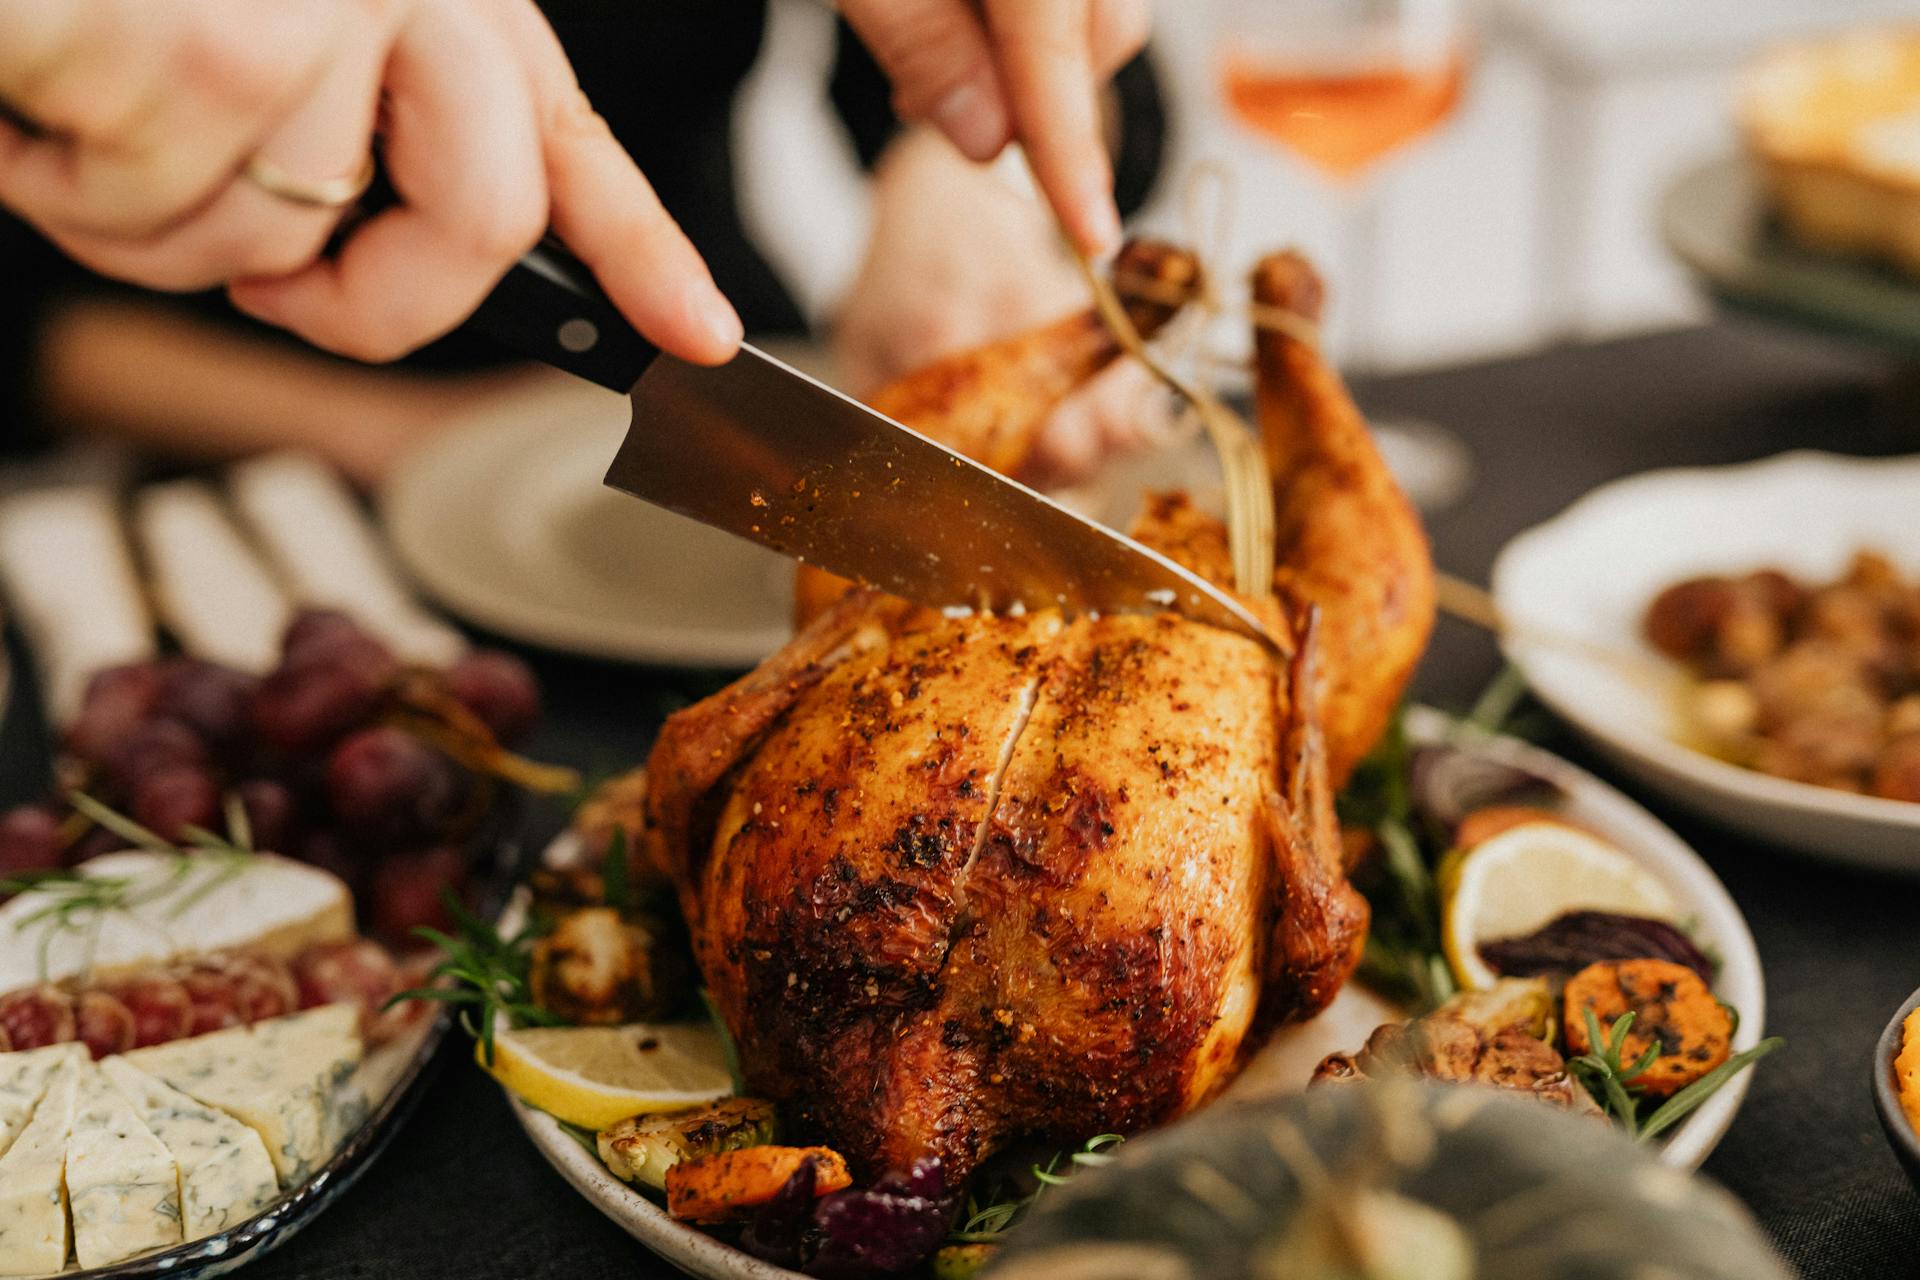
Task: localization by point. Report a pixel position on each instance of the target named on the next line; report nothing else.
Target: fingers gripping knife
(760, 450)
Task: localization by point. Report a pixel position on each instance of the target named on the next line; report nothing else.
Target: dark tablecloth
(462, 1194)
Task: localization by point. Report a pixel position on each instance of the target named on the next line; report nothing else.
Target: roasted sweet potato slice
(1672, 1008)
(1484, 824)
(718, 1187)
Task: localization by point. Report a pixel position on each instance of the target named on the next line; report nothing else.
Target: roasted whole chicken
(957, 880)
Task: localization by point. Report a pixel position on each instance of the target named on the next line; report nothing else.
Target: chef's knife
(761, 450)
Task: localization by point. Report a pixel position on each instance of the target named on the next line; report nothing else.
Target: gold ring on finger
(329, 193)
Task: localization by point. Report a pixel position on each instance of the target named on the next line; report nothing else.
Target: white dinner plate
(503, 519)
(1590, 572)
(1287, 1063)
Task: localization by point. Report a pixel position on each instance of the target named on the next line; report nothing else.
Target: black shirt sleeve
(35, 276)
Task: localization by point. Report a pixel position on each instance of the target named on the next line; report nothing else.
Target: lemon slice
(597, 1076)
(1521, 879)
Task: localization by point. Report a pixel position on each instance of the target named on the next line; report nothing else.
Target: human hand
(135, 127)
(987, 72)
(957, 258)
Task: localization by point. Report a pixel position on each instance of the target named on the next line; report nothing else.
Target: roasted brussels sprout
(642, 1148)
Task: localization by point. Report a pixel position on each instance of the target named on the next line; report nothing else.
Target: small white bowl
(1590, 572)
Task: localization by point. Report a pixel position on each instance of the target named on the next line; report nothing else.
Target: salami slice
(214, 995)
(264, 985)
(34, 1017)
(357, 969)
(103, 1023)
(161, 1008)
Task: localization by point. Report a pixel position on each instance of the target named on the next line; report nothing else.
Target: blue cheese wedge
(226, 1175)
(277, 1077)
(33, 1198)
(314, 1054)
(23, 1081)
(123, 1188)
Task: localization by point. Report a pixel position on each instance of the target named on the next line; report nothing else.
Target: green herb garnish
(727, 1046)
(614, 889)
(1611, 1082)
(483, 973)
(986, 1222)
(1494, 708)
(1676, 1108)
(79, 903)
(1402, 957)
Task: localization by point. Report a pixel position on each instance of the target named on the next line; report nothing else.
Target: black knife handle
(549, 307)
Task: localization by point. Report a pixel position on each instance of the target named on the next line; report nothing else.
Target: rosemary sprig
(614, 889)
(728, 1048)
(1612, 1082)
(483, 973)
(1601, 1070)
(986, 1223)
(80, 903)
(1494, 708)
(1403, 956)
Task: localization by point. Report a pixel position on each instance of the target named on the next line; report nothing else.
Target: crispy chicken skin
(957, 880)
(989, 402)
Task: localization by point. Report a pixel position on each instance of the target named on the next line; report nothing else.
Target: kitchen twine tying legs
(1249, 484)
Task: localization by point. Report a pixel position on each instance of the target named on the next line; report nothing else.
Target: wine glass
(1342, 85)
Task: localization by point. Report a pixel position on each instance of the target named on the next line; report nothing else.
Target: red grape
(329, 852)
(307, 708)
(271, 810)
(500, 689)
(117, 699)
(214, 701)
(407, 887)
(152, 747)
(168, 799)
(29, 839)
(386, 785)
(316, 634)
(324, 637)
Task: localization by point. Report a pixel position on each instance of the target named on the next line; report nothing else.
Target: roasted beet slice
(1569, 943)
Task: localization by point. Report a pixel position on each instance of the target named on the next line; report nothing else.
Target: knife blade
(761, 450)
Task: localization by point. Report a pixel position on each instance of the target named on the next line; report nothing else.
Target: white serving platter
(1286, 1064)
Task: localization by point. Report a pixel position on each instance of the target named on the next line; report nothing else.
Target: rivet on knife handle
(548, 307)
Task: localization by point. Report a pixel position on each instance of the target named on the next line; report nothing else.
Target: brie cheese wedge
(266, 903)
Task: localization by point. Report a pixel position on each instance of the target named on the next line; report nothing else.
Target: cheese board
(172, 1109)
(269, 776)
